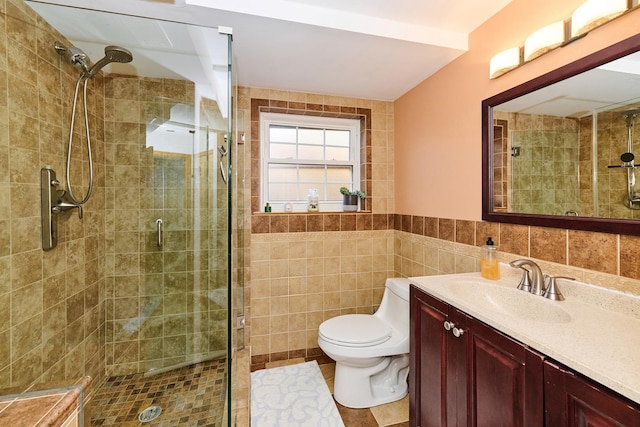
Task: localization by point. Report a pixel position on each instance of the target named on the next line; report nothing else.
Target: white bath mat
(294, 395)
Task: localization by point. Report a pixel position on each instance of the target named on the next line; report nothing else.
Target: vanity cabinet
(572, 400)
(464, 373)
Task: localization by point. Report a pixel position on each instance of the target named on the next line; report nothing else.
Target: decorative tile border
(303, 222)
(259, 361)
(259, 105)
(600, 252)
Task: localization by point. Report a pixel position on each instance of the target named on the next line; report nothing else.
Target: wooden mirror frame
(606, 225)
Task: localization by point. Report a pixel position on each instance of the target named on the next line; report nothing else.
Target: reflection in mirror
(561, 149)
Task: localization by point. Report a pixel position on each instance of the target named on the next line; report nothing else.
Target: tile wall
(301, 279)
(585, 132)
(51, 305)
(427, 246)
(164, 305)
(305, 268)
(501, 159)
(612, 142)
(300, 270)
(54, 317)
(566, 183)
(538, 184)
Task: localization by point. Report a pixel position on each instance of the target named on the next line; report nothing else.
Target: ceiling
(377, 49)
(612, 86)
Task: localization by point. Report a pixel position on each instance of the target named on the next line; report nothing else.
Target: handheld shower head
(111, 54)
(73, 56)
(630, 116)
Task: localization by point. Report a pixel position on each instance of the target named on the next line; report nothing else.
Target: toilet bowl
(371, 351)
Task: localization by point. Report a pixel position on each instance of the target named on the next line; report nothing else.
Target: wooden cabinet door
(428, 357)
(458, 391)
(504, 379)
(572, 400)
(473, 377)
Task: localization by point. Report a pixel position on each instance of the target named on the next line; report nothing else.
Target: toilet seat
(355, 330)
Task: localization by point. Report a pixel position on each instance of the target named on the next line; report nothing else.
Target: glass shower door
(185, 285)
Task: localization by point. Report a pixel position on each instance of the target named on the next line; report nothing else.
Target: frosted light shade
(593, 13)
(543, 40)
(503, 62)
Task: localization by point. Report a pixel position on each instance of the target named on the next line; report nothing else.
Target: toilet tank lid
(399, 286)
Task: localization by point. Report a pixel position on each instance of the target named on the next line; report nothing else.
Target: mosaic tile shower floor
(191, 396)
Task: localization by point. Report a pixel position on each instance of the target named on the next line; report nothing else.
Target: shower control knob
(55, 182)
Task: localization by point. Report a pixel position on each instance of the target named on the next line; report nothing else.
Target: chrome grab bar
(159, 230)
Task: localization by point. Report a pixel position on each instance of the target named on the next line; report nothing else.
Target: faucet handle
(525, 281)
(552, 291)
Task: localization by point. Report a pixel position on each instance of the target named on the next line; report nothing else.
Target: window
(300, 153)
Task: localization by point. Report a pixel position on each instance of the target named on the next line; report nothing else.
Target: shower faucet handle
(64, 207)
(63, 204)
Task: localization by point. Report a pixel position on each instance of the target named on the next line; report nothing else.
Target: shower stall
(616, 193)
(164, 138)
(579, 166)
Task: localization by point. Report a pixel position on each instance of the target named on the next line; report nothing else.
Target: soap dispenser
(489, 266)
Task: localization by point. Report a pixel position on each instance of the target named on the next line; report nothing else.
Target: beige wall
(307, 268)
(51, 304)
(436, 197)
(301, 279)
(438, 123)
(438, 139)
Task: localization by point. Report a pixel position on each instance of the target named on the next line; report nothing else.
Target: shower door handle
(159, 230)
(222, 172)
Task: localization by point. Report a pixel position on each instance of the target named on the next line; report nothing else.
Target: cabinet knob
(448, 325)
(457, 332)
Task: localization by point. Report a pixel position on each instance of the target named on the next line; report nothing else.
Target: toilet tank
(394, 308)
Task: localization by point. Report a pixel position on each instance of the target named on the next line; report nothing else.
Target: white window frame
(294, 120)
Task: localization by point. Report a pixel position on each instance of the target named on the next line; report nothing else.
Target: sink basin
(509, 301)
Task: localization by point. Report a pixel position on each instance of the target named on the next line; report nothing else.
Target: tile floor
(195, 396)
(190, 396)
(395, 414)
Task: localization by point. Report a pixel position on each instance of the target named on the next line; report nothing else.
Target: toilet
(371, 351)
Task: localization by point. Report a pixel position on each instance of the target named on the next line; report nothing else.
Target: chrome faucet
(537, 278)
(552, 291)
(65, 204)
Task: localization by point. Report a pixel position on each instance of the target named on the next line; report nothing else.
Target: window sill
(292, 222)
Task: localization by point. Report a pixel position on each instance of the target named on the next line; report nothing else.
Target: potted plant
(350, 199)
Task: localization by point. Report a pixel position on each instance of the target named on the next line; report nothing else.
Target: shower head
(111, 54)
(630, 116)
(73, 56)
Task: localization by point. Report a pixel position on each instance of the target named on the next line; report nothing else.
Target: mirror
(563, 150)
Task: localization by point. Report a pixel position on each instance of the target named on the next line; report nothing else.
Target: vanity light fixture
(594, 13)
(504, 61)
(543, 40)
(591, 14)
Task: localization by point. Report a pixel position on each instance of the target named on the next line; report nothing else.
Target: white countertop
(594, 331)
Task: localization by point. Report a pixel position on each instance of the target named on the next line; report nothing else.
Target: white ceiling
(612, 86)
(376, 49)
